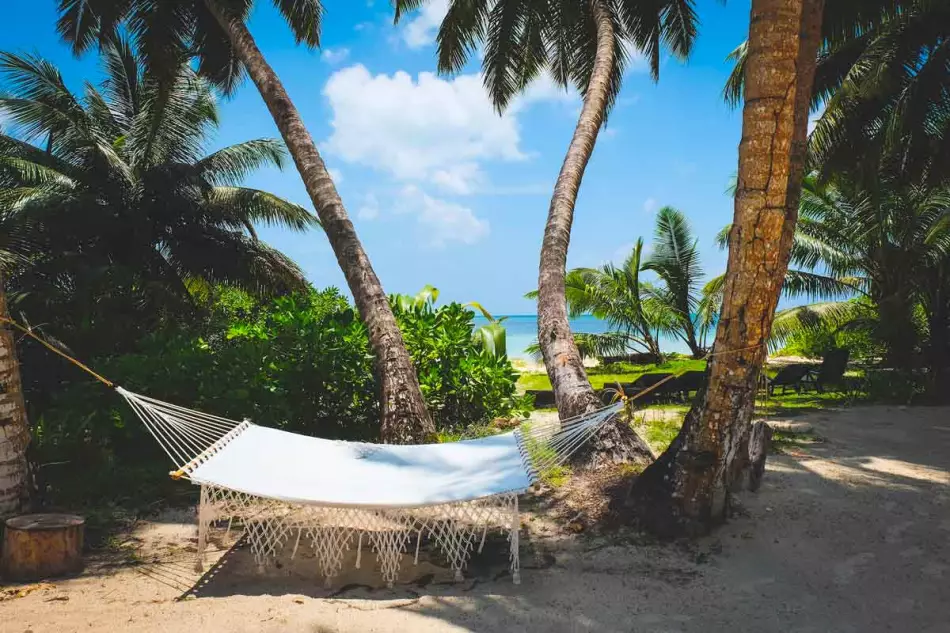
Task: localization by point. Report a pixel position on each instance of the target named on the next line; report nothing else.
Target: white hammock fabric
(283, 487)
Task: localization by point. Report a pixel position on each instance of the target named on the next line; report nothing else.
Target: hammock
(283, 487)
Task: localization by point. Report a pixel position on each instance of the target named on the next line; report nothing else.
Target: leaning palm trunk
(573, 393)
(14, 432)
(404, 415)
(687, 489)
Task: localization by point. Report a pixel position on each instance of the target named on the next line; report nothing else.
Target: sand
(852, 534)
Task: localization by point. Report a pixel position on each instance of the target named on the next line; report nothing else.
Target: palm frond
(304, 18)
(232, 164)
(830, 315)
(244, 206)
(732, 91)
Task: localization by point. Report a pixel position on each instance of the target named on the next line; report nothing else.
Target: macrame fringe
(270, 524)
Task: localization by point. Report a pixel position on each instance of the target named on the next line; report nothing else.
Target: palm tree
(675, 259)
(888, 246)
(886, 83)
(884, 79)
(584, 43)
(617, 295)
(687, 489)
(215, 34)
(122, 210)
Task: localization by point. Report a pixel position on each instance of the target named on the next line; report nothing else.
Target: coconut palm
(675, 259)
(617, 295)
(122, 203)
(580, 43)
(214, 34)
(889, 246)
(886, 84)
(884, 79)
(120, 210)
(687, 489)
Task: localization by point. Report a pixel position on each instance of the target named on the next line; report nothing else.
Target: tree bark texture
(14, 431)
(573, 393)
(686, 491)
(404, 415)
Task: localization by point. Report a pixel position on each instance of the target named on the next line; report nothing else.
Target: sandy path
(852, 535)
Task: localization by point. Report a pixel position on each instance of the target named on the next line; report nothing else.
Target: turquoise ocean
(523, 331)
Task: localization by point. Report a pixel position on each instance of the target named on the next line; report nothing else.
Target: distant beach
(523, 331)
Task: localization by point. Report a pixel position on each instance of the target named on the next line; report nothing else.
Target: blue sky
(442, 190)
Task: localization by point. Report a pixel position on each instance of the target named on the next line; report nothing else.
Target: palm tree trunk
(686, 491)
(572, 390)
(896, 326)
(404, 415)
(694, 347)
(14, 432)
(573, 393)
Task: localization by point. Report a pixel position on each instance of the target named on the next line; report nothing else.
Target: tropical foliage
(890, 247)
(522, 40)
(120, 217)
(882, 78)
(640, 312)
(675, 259)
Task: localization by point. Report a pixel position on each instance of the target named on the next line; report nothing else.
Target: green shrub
(463, 384)
(817, 341)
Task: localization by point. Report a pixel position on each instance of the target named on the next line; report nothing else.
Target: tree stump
(39, 546)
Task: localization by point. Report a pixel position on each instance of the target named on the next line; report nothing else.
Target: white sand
(850, 535)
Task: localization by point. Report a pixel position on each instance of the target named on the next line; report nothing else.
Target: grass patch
(472, 432)
(792, 404)
(659, 426)
(607, 375)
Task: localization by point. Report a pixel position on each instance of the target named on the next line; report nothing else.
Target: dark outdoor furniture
(831, 372)
(543, 398)
(646, 381)
(790, 376)
(635, 359)
(688, 382)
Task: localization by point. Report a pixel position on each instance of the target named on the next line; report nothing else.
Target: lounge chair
(686, 383)
(789, 376)
(830, 373)
(644, 382)
(543, 398)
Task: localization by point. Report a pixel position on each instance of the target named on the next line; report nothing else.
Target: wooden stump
(39, 546)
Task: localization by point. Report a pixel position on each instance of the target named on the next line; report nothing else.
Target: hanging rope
(551, 444)
(29, 332)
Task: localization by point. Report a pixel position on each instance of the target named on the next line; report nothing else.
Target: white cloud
(334, 56)
(440, 221)
(369, 208)
(427, 129)
(421, 29)
(336, 175)
(650, 205)
(544, 88)
(461, 179)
